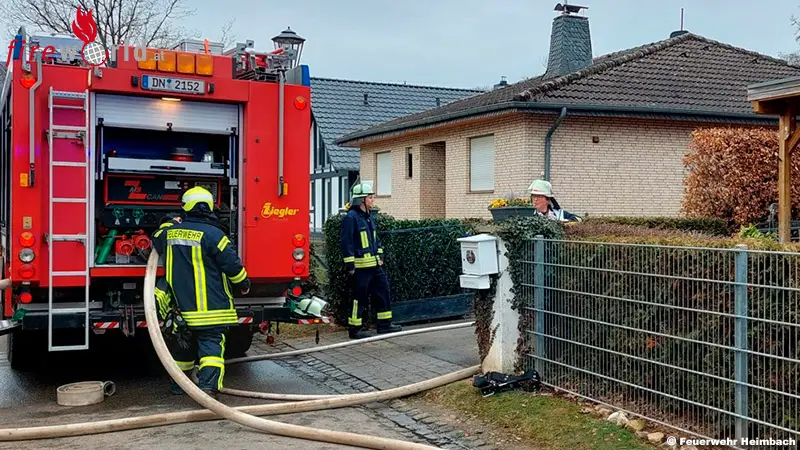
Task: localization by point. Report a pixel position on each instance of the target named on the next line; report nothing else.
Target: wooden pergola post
(781, 98)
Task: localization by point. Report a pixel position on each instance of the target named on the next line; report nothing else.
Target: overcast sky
(469, 43)
(472, 43)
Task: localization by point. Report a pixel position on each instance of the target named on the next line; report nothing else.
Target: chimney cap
(677, 33)
(569, 9)
(502, 83)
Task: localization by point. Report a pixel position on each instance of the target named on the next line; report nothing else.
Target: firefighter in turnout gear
(363, 259)
(200, 265)
(177, 336)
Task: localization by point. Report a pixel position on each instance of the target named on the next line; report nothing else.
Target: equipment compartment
(127, 150)
(117, 164)
(141, 176)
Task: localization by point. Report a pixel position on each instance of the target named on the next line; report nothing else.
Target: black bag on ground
(491, 383)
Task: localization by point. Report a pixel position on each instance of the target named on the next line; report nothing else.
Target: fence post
(740, 342)
(538, 303)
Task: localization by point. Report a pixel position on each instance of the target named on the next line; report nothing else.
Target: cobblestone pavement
(388, 364)
(29, 399)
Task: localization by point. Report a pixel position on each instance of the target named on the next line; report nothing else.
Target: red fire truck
(93, 156)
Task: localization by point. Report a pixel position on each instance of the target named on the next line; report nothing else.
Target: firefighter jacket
(200, 265)
(164, 299)
(359, 241)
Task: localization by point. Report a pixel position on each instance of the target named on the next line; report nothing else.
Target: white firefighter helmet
(362, 190)
(313, 306)
(359, 192)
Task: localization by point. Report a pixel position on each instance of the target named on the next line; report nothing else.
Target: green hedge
(706, 225)
(422, 259)
(676, 291)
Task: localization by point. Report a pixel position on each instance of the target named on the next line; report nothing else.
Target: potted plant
(505, 208)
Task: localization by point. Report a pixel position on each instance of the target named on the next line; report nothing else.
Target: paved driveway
(29, 399)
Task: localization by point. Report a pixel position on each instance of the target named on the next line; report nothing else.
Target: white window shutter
(384, 181)
(481, 164)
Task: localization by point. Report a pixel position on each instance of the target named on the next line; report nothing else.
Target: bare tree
(154, 23)
(794, 57)
(543, 60)
(227, 37)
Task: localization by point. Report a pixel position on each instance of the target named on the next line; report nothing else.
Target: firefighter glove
(244, 286)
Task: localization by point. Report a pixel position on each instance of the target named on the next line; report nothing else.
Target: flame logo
(84, 26)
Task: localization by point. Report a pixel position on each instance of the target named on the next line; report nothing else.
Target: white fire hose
(348, 343)
(244, 415)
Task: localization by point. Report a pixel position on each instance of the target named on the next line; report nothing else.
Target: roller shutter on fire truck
(154, 113)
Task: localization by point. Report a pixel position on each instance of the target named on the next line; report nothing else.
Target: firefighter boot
(387, 327)
(357, 332)
(212, 393)
(174, 388)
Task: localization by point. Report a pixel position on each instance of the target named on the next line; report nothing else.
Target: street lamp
(292, 44)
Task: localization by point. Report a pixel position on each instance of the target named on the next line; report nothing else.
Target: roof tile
(687, 73)
(339, 108)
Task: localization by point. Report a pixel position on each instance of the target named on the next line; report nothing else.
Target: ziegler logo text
(269, 211)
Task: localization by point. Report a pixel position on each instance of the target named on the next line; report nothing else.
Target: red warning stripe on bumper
(143, 324)
(313, 321)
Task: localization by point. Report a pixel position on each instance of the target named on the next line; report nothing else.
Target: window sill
(490, 191)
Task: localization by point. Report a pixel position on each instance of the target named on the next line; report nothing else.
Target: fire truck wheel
(23, 352)
(238, 341)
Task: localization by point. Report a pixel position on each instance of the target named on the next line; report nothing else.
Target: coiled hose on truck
(244, 415)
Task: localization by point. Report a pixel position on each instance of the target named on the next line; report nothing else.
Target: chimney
(503, 83)
(570, 42)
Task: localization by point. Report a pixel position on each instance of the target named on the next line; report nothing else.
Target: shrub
(422, 259)
(706, 225)
(733, 174)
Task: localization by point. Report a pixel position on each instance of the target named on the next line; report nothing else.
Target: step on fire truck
(94, 156)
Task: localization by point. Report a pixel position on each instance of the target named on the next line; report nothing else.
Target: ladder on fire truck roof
(68, 132)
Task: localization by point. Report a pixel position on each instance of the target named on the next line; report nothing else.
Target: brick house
(608, 132)
(339, 107)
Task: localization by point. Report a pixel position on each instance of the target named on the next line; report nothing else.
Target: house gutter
(547, 142)
(353, 138)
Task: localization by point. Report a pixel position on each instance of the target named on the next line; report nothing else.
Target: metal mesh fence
(703, 340)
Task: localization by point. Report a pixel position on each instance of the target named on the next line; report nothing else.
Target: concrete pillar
(502, 353)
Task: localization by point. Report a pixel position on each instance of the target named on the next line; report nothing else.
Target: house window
(481, 163)
(384, 170)
(409, 163)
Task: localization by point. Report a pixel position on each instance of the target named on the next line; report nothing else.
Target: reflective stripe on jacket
(200, 263)
(164, 300)
(359, 241)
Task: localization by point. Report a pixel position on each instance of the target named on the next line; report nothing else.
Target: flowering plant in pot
(511, 206)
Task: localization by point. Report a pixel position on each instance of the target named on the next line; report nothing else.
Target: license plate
(169, 84)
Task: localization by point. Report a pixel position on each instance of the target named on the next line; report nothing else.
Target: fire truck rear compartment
(141, 177)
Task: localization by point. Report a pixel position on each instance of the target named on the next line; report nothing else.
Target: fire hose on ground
(244, 415)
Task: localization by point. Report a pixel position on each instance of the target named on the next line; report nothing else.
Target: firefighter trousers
(207, 345)
(211, 353)
(366, 284)
(185, 357)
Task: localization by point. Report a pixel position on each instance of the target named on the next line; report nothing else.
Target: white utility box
(474, 281)
(478, 261)
(479, 255)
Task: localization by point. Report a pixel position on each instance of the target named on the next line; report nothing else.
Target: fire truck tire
(23, 353)
(238, 341)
